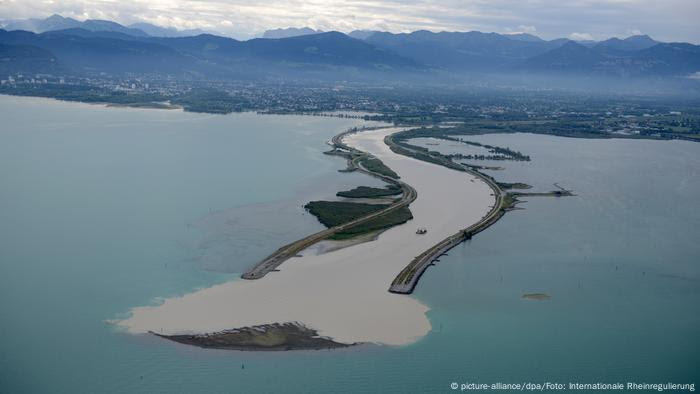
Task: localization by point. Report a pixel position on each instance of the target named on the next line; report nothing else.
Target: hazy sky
(666, 20)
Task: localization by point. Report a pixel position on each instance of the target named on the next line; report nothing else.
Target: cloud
(521, 29)
(672, 20)
(581, 37)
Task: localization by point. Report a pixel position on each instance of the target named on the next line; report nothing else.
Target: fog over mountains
(64, 45)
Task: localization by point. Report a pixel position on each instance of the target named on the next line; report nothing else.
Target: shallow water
(103, 209)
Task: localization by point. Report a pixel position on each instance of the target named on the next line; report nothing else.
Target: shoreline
(106, 104)
(159, 105)
(341, 294)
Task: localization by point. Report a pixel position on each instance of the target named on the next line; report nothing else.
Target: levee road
(354, 157)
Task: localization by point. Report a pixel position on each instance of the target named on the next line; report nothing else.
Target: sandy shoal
(342, 294)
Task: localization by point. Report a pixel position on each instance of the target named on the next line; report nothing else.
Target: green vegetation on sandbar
(509, 201)
(514, 185)
(370, 192)
(399, 146)
(536, 296)
(276, 336)
(334, 213)
(375, 165)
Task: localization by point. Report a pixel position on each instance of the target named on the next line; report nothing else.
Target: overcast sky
(665, 20)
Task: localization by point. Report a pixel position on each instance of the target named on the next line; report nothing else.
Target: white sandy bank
(342, 294)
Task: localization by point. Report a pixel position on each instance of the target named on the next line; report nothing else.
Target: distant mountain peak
(362, 34)
(332, 33)
(290, 32)
(160, 31)
(56, 17)
(629, 44)
(527, 37)
(640, 37)
(571, 57)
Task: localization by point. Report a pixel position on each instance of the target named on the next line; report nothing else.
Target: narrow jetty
(406, 281)
(354, 157)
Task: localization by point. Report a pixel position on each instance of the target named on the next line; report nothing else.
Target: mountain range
(57, 22)
(96, 46)
(208, 56)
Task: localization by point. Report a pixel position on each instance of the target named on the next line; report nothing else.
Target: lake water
(104, 209)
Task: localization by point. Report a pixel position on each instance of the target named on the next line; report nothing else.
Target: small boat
(421, 230)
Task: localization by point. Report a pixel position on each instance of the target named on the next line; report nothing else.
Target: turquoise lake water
(104, 209)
